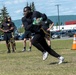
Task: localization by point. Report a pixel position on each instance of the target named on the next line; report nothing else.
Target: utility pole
(58, 15)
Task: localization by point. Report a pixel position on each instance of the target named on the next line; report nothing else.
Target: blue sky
(15, 7)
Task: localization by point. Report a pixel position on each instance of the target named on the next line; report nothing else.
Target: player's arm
(24, 23)
(37, 18)
(50, 26)
(11, 28)
(1, 28)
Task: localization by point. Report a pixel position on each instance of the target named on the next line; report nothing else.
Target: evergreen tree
(27, 4)
(30, 5)
(21, 30)
(33, 7)
(3, 14)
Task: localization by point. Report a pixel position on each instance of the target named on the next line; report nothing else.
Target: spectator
(27, 36)
(7, 28)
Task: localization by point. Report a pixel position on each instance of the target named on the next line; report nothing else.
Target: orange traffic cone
(74, 43)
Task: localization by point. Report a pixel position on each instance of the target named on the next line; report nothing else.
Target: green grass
(31, 63)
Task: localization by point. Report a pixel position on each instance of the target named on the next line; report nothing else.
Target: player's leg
(48, 38)
(30, 44)
(7, 42)
(8, 46)
(24, 41)
(35, 42)
(50, 50)
(11, 40)
(13, 44)
(24, 44)
(30, 38)
(48, 41)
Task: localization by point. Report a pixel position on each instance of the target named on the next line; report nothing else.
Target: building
(64, 27)
(70, 22)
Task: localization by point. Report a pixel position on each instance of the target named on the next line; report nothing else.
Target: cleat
(61, 59)
(23, 50)
(29, 49)
(45, 55)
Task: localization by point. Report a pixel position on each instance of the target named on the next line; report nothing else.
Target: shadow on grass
(57, 63)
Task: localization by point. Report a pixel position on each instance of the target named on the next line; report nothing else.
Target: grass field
(31, 63)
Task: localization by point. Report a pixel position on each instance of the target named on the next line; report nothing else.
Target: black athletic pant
(40, 43)
(7, 37)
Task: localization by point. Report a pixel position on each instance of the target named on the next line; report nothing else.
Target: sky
(49, 7)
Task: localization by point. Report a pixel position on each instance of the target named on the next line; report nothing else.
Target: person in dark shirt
(39, 38)
(26, 21)
(13, 32)
(47, 25)
(27, 36)
(7, 28)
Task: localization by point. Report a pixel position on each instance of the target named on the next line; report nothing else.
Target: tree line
(4, 13)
